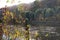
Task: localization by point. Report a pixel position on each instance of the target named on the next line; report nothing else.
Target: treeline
(44, 10)
(41, 10)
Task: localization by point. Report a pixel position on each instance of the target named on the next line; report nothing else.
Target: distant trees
(38, 9)
(45, 8)
(45, 12)
(35, 6)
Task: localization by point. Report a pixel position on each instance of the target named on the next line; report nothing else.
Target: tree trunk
(1, 32)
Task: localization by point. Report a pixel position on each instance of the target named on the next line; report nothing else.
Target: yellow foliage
(11, 35)
(21, 8)
(18, 33)
(26, 31)
(7, 13)
(17, 20)
(28, 26)
(15, 36)
(12, 14)
(8, 16)
(4, 30)
(26, 38)
(36, 34)
(5, 17)
(47, 35)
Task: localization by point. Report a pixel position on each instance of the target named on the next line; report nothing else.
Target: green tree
(35, 6)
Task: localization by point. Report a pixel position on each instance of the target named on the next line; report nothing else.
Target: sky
(9, 3)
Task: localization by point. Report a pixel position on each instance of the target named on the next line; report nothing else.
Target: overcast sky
(13, 2)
